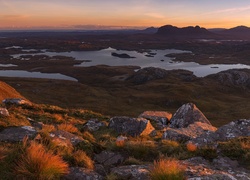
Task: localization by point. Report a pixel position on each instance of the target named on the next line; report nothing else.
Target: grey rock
(162, 118)
(65, 137)
(93, 125)
(132, 172)
(4, 112)
(17, 134)
(131, 126)
(192, 131)
(77, 173)
(16, 101)
(187, 114)
(109, 158)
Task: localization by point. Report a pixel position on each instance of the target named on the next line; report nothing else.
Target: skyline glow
(84, 14)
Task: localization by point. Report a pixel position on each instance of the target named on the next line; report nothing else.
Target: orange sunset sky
(30, 14)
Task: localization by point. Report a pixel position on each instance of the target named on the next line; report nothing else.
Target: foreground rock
(77, 173)
(187, 114)
(192, 131)
(16, 101)
(93, 125)
(4, 112)
(65, 138)
(17, 134)
(109, 158)
(131, 126)
(229, 131)
(132, 172)
(162, 118)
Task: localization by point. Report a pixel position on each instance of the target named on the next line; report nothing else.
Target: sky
(89, 14)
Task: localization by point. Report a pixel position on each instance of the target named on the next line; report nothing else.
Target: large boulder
(132, 172)
(162, 118)
(4, 112)
(192, 131)
(187, 114)
(77, 173)
(109, 158)
(17, 134)
(131, 126)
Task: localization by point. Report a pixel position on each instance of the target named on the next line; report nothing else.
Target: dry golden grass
(245, 145)
(3, 152)
(48, 128)
(67, 127)
(82, 159)
(36, 163)
(191, 147)
(58, 118)
(167, 169)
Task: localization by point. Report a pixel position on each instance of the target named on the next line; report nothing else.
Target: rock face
(77, 173)
(161, 117)
(93, 125)
(131, 126)
(16, 134)
(132, 172)
(147, 74)
(187, 114)
(109, 158)
(4, 112)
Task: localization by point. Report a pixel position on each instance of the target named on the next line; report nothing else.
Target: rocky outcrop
(233, 77)
(131, 126)
(109, 158)
(4, 112)
(93, 125)
(132, 172)
(147, 74)
(162, 118)
(187, 114)
(77, 173)
(17, 134)
(123, 55)
(192, 131)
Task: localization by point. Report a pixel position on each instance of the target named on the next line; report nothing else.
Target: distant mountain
(237, 30)
(190, 31)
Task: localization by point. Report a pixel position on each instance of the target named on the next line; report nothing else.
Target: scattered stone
(35, 124)
(17, 134)
(132, 172)
(120, 141)
(162, 118)
(192, 131)
(131, 126)
(4, 112)
(94, 125)
(187, 114)
(109, 158)
(65, 137)
(77, 173)
(15, 101)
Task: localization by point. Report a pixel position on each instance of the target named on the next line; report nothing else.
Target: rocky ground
(122, 147)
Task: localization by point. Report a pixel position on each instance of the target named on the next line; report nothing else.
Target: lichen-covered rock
(132, 172)
(16, 134)
(93, 125)
(192, 131)
(187, 114)
(131, 126)
(4, 112)
(77, 173)
(65, 138)
(234, 129)
(162, 118)
(109, 158)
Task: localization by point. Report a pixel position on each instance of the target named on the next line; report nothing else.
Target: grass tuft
(83, 160)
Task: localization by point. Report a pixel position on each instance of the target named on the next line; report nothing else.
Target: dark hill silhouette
(239, 32)
(190, 31)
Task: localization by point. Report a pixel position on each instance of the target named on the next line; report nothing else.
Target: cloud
(155, 15)
(229, 10)
(15, 16)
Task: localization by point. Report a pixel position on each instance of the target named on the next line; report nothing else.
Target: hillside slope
(7, 91)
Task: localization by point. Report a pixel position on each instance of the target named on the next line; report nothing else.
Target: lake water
(18, 73)
(156, 58)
